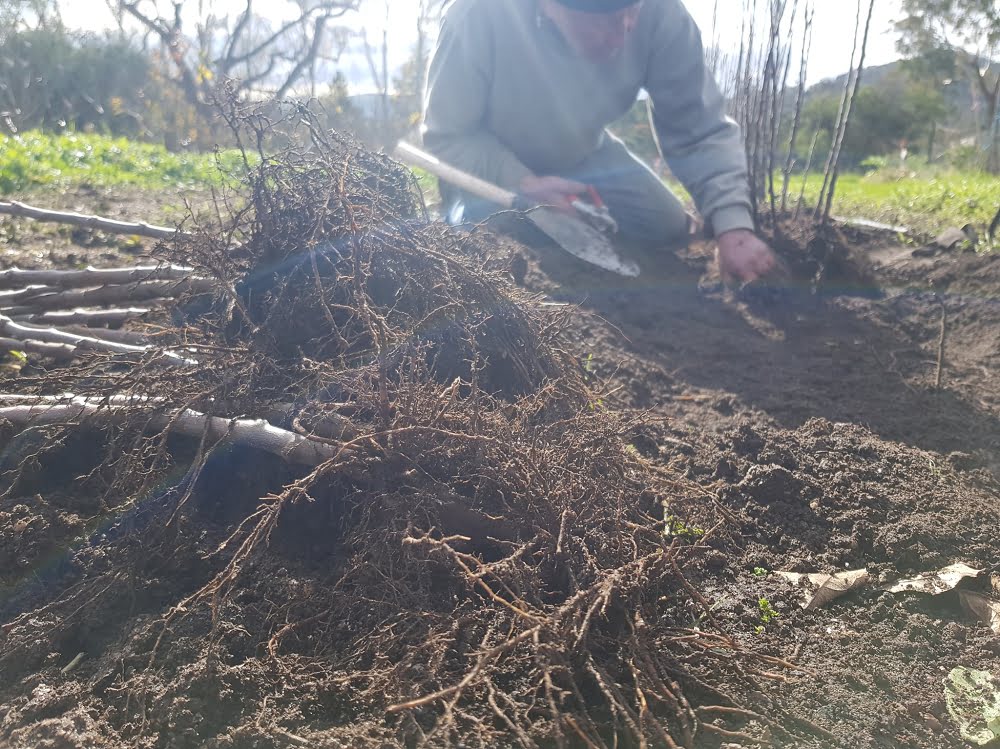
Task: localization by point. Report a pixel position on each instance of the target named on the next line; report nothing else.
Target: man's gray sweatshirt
(507, 97)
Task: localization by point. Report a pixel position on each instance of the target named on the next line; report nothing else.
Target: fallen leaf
(973, 700)
(982, 608)
(822, 588)
(950, 238)
(937, 582)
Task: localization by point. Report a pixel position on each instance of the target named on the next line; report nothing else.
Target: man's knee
(644, 207)
(652, 216)
(662, 221)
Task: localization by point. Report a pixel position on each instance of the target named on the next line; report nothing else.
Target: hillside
(956, 91)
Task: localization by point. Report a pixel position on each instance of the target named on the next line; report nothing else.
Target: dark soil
(814, 417)
(25, 243)
(808, 420)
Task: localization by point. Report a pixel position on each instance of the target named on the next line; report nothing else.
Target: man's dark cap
(597, 6)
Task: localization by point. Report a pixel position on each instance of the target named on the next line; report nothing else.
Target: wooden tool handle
(488, 191)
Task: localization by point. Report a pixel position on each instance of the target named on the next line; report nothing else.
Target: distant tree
(411, 80)
(205, 44)
(28, 15)
(400, 92)
(335, 108)
(962, 35)
(377, 57)
(897, 110)
(428, 18)
(53, 79)
(16, 17)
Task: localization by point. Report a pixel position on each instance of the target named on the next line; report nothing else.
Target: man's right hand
(554, 191)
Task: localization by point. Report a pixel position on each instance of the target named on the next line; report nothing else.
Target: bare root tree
(830, 174)
(757, 84)
(799, 99)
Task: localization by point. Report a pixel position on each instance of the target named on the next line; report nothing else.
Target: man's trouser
(647, 212)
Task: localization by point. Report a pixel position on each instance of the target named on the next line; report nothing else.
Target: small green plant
(759, 572)
(589, 371)
(12, 362)
(675, 527)
(935, 469)
(767, 612)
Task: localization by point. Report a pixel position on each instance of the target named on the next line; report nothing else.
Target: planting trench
(816, 420)
(580, 549)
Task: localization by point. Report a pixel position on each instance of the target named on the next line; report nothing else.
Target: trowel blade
(582, 240)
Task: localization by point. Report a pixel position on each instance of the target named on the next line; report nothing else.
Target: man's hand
(743, 256)
(554, 191)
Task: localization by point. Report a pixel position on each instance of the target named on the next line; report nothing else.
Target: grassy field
(924, 203)
(32, 160)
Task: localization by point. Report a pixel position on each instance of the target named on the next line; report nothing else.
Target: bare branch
(106, 295)
(799, 100)
(172, 40)
(85, 317)
(93, 276)
(841, 118)
(257, 433)
(104, 334)
(27, 332)
(234, 39)
(306, 60)
(58, 351)
(15, 208)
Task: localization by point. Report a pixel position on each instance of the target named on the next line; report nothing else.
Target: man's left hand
(744, 257)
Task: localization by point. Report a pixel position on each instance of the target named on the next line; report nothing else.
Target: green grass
(428, 183)
(34, 159)
(924, 203)
(926, 200)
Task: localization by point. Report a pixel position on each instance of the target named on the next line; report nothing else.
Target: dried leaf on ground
(982, 608)
(822, 588)
(973, 699)
(937, 582)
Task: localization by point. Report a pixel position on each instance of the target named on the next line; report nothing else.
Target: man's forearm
(712, 166)
(703, 147)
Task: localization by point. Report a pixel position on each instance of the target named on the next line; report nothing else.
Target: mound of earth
(545, 516)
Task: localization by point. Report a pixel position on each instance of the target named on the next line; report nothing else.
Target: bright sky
(832, 37)
(833, 32)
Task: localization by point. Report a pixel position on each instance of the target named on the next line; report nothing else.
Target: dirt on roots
(553, 512)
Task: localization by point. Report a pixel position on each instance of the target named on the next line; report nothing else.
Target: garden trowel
(583, 234)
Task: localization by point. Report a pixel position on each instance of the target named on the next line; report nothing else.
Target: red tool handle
(595, 197)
